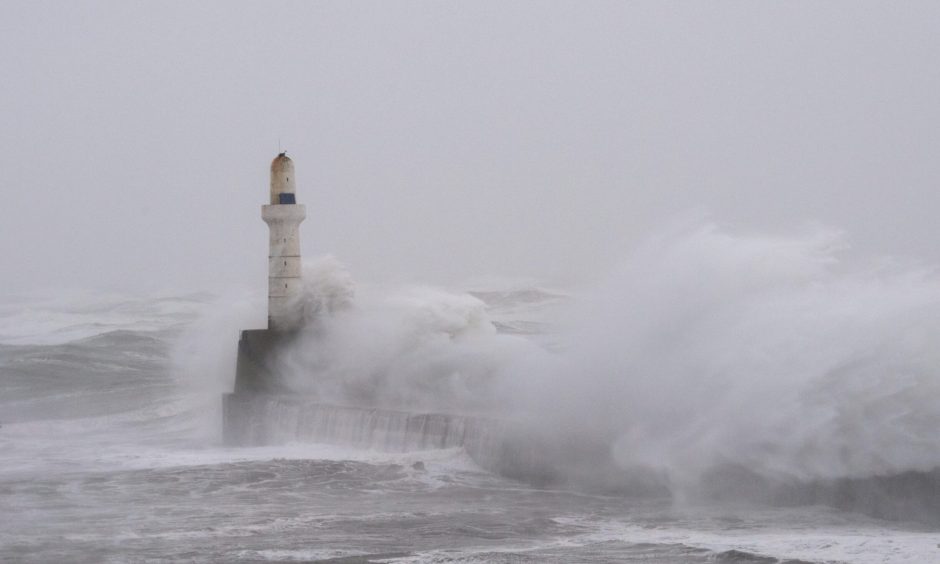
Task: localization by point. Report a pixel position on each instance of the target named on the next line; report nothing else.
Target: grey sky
(441, 141)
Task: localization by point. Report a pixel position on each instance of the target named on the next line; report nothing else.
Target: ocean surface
(110, 451)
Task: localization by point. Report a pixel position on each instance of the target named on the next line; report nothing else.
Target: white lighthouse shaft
(283, 216)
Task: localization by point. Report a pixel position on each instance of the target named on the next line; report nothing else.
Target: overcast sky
(440, 141)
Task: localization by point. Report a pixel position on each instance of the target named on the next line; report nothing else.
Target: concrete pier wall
(263, 410)
(253, 419)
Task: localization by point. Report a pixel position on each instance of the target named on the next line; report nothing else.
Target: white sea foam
(412, 347)
(859, 544)
(852, 544)
(773, 353)
(437, 462)
(305, 555)
(779, 354)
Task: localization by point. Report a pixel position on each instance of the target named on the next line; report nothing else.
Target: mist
(439, 143)
(582, 281)
(787, 356)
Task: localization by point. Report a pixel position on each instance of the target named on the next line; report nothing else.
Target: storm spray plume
(706, 350)
(767, 353)
(418, 348)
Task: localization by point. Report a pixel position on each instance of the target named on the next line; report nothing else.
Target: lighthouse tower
(283, 216)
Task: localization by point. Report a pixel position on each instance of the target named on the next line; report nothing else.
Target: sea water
(111, 451)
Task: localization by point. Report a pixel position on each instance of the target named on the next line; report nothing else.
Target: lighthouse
(266, 407)
(283, 216)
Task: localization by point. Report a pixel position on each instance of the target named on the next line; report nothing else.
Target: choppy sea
(110, 451)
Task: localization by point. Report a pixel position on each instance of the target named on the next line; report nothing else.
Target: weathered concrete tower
(256, 369)
(283, 216)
